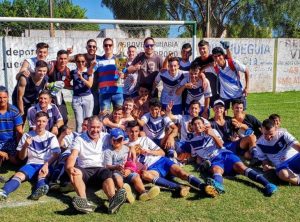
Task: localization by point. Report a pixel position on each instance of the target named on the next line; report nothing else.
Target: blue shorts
(162, 166)
(293, 164)
(176, 109)
(183, 147)
(9, 147)
(226, 161)
(31, 170)
(234, 147)
(105, 100)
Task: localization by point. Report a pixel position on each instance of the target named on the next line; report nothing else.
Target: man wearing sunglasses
(110, 88)
(147, 63)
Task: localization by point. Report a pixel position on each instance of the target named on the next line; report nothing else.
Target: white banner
(288, 65)
(257, 54)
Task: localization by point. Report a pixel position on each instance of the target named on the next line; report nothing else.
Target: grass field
(243, 200)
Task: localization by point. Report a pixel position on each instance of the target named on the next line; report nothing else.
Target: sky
(94, 9)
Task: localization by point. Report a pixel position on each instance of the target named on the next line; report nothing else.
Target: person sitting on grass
(223, 124)
(207, 145)
(154, 125)
(281, 149)
(155, 167)
(10, 127)
(41, 149)
(85, 167)
(44, 104)
(119, 160)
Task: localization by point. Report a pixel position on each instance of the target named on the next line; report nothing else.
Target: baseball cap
(116, 133)
(219, 102)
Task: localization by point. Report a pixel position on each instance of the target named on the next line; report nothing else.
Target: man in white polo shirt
(85, 167)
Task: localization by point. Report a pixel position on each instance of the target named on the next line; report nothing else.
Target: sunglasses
(92, 46)
(149, 45)
(108, 45)
(80, 61)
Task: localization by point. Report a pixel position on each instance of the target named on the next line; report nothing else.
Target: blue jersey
(8, 121)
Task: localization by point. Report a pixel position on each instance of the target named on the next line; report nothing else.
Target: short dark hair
(154, 102)
(148, 38)
(203, 43)
(274, 116)
(91, 40)
(108, 39)
(195, 65)
(237, 101)
(79, 55)
(173, 59)
(41, 64)
(132, 46)
(193, 102)
(186, 46)
(268, 124)
(145, 85)
(45, 92)
(117, 108)
(132, 123)
(42, 45)
(218, 50)
(3, 89)
(41, 114)
(62, 52)
(197, 118)
(86, 119)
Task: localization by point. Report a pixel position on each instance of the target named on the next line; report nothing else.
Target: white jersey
(32, 61)
(41, 148)
(185, 122)
(90, 153)
(279, 149)
(155, 128)
(205, 147)
(170, 84)
(196, 93)
(230, 83)
(145, 144)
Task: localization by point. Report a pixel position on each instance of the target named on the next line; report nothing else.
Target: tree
(139, 10)
(40, 8)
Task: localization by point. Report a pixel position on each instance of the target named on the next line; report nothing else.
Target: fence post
(275, 64)
(4, 61)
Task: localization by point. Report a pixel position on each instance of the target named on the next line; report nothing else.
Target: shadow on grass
(67, 199)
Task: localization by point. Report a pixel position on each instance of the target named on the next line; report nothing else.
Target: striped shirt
(8, 121)
(108, 77)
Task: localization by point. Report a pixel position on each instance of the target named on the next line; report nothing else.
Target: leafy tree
(40, 8)
(139, 10)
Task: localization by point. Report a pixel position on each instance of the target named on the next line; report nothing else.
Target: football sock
(12, 185)
(254, 152)
(253, 175)
(196, 182)
(218, 177)
(41, 182)
(165, 183)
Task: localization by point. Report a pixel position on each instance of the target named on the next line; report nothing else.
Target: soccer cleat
(204, 167)
(83, 205)
(2, 179)
(39, 192)
(270, 189)
(215, 184)
(254, 162)
(3, 195)
(129, 195)
(184, 191)
(116, 201)
(144, 196)
(153, 192)
(54, 185)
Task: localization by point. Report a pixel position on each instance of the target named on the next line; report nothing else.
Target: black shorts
(95, 176)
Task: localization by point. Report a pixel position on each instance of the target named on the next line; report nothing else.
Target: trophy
(121, 61)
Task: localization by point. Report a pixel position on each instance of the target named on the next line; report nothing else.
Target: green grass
(243, 200)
